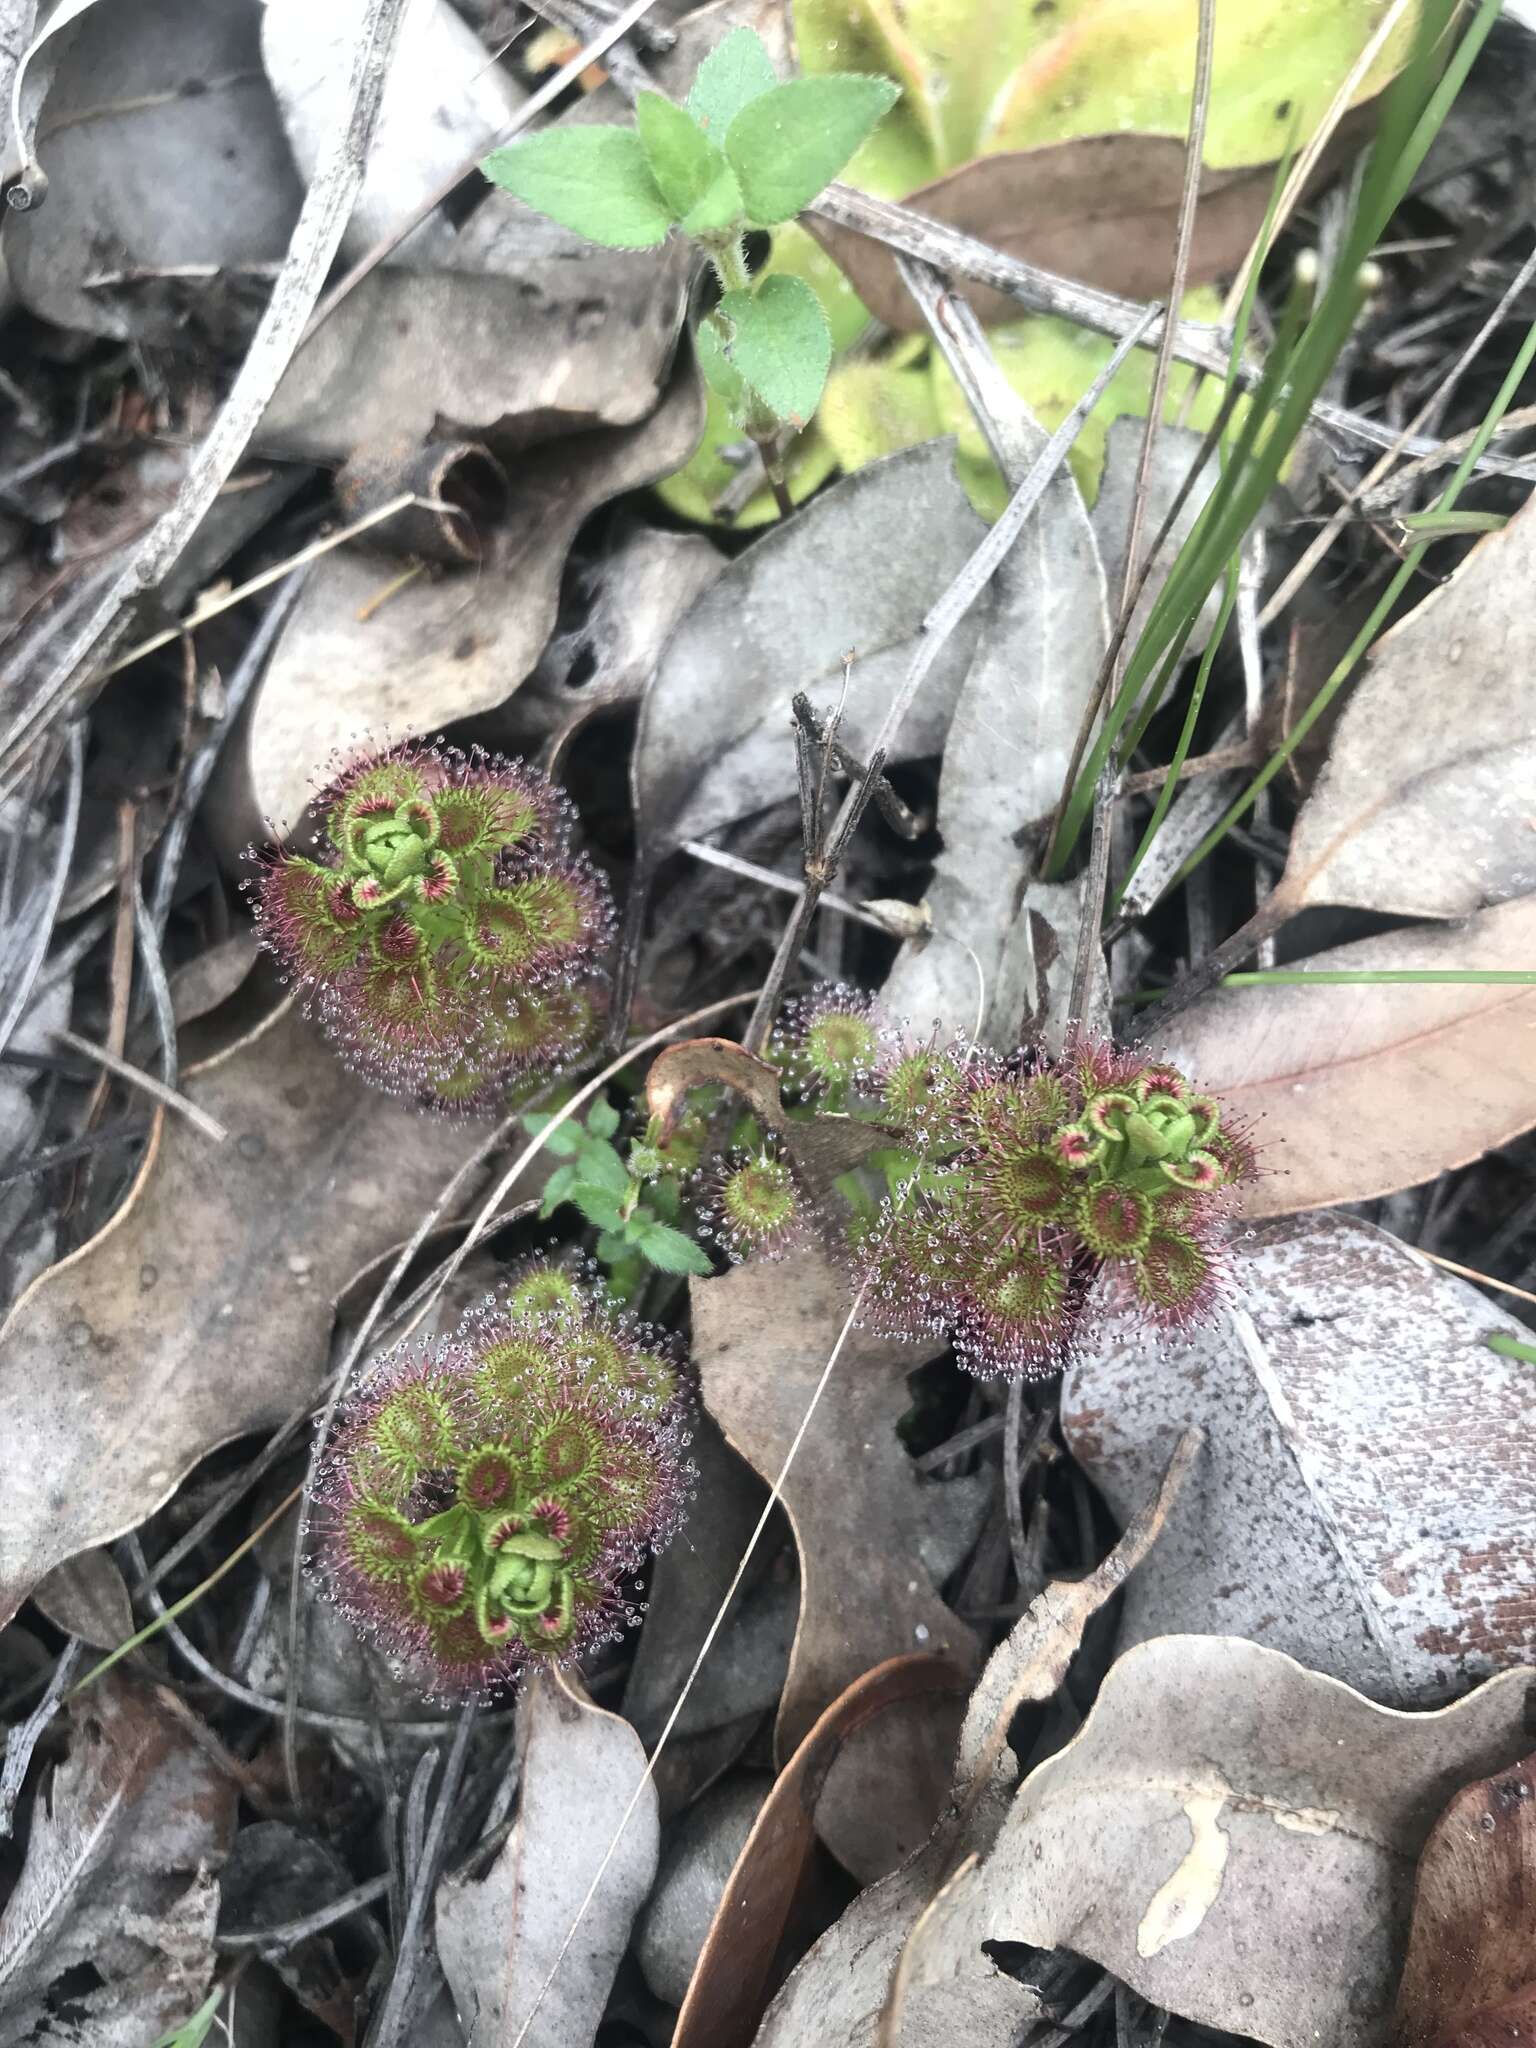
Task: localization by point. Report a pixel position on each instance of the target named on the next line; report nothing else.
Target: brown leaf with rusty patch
(821, 1146)
(860, 1515)
(1357, 1091)
(120, 1876)
(204, 1308)
(1470, 1974)
(732, 1981)
(1099, 208)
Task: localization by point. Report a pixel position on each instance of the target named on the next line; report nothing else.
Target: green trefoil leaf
(682, 159)
(781, 344)
(594, 180)
(787, 145)
(737, 71)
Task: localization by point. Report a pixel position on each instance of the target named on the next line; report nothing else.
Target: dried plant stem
(137, 1078)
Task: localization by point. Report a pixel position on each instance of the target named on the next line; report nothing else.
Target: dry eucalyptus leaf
(276, 1874)
(1100, 208)
(844, 1986)
(1002, 949)
(204, 1308)
(1359, 1090)
(697, 1858)
(724, 2001)
(853, 573)
(435, 651)
(498, 1935)
(214, 976)
(1470, 1977)
(120, 1880)
(444, 100)
(1424, 808)
(1365, 1503)
(147, 178)
(822, 1147)
(87, 1596)
(860, 1514)
(1234, 1837)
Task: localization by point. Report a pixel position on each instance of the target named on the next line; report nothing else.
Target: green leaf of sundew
(907, 149)
(737, 71)
(682, 159)
(781, 344)
(669, 1251)
(594, 181)
(531, 1543)
(789, 145)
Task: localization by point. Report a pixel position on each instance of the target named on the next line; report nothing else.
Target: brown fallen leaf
(1355, 1091)
(1233, 1836)
(438, 650)
(1365, 1501)
(860, 1516)
(1425, 808)
(1099, 208)
(731, 1983)
(204, 1308)
(821, 1146)
(120, 1879)
(864, 1979)
(1470, 1976)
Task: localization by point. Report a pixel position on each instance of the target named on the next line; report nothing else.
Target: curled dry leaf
(861, 1517)
(1365, 1503)
(821, 1146)
(853, 573)
(435, 652)
(729, 1989)
(1356, 1091)
(120, 1880)
(1100, 208)
(1470, 1977)
(204, 1308)
(1424, 808)
(1234, 1837)
(1002, 946)
(869, 1973)
(498, 1935)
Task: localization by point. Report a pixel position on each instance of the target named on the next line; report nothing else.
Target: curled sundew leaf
(204, 1308)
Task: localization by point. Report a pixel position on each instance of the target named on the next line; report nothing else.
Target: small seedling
(448, 934)
(633, 1199)
(483, 1503)
(745, 152)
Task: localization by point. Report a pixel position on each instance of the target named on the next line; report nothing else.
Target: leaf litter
(877, 1785)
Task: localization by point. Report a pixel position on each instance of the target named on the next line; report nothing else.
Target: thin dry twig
(137, 1078)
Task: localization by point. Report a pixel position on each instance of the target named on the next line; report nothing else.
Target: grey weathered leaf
(436, 651)
(852, 573)
(120, 1880)
(697, 1858)
(1424, 806)
(498, 1935)
(1172, 454)
(1354, 1091)
(124, 211)
(444, 101)
(1009, 743)
(1365, 1501)
(87, 1596)
(204, 1308)
(1233, 1836)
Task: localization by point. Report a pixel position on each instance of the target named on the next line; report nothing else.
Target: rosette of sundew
(443, 927)
(484, 1503)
